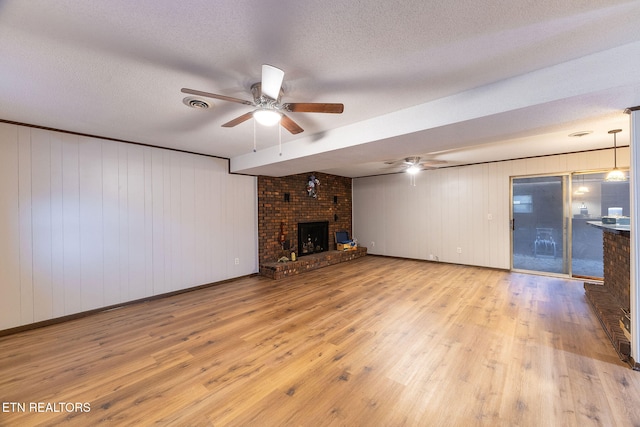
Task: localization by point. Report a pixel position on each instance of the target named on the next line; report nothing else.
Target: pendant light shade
(616, 174)
(582, 189)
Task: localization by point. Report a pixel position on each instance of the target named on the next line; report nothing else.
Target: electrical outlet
(431, 257)
(237, 261)
(373, 244)
(459, 250)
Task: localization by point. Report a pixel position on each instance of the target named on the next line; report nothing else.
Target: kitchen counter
(616, 228)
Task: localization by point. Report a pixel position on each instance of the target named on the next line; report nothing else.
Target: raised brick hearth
(279, 270)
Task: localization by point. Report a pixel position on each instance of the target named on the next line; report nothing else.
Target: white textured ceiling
(459, 81)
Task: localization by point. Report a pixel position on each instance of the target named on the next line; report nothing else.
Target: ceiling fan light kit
(413, 169)
(267, 117)
(266, 99)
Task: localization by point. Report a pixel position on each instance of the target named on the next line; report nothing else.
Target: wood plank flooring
(372, 342)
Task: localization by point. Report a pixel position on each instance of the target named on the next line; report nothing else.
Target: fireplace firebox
(313, 237)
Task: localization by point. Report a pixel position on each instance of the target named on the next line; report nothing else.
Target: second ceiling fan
(414, 164)
(269, 110)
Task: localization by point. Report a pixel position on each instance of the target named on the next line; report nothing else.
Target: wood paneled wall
(88, 223)
(449, 208)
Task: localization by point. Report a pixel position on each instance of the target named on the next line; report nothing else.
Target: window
(522, 203)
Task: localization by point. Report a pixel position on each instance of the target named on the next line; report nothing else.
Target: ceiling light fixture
(413, 172)
(616, 174)
(582, 188)
(413, 169)
(267, 117)
(580, 133)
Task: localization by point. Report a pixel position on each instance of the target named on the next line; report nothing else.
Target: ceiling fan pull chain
(254, 135)
(280, 139)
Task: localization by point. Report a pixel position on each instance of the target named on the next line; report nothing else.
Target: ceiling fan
(269, 110)
(413, 164)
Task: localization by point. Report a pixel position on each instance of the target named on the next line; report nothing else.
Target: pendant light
(616, 174)
(583, 188)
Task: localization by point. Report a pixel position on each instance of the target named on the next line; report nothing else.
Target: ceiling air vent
(581, 133)
(198, 103)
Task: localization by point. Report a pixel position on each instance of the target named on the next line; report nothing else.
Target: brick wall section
(617, 266)
(273, 210)
(608, 311)
(607, 299)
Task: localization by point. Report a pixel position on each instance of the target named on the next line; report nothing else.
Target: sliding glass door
(539, 225)
(550, 222)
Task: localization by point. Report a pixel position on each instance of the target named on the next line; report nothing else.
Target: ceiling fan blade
(311, 107)
(433, 163)
(238, 120)
(213, 95)
(290, 125)
(272, 78)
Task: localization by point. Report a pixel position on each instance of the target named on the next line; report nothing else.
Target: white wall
(449, 208)
(87, 223)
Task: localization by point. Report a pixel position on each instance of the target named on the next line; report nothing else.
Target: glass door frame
(566, 223)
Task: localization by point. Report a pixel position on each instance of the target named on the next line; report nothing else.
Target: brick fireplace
(283, 203)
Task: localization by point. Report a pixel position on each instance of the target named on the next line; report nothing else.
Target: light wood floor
(372, 342)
